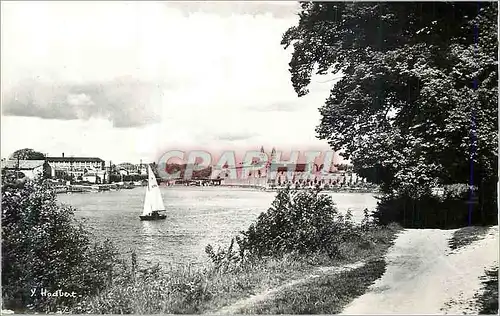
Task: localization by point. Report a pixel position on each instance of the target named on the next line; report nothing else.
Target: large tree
(27, 154)
(45, 247)
(418, 99)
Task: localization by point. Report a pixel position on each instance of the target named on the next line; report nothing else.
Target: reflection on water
(196, 216)
(151, 234)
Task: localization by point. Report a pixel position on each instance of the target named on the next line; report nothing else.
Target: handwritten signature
(58, 293)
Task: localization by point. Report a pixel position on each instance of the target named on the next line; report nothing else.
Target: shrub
(223, 259)
(457, 191)
(43, 247)
(298, 222)
(434, 212)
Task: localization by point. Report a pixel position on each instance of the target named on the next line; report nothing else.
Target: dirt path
(254, 299)
(423, 276)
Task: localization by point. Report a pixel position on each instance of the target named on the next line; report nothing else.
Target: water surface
(197, 216)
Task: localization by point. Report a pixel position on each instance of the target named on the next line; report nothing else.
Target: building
(26, 168)
(143, 169)
(76, 163)
(123, 172)
(76, 167)
(293, 174)
(92, 177)
(127, 168)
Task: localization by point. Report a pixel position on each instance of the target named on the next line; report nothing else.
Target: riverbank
(363, 282)
(214, 290)
(334, 190)
(96, 188)
(301, 256)
(197, 216)
(302, 233)
(259, 185)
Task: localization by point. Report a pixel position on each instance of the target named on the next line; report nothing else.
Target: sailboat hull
(155, 216)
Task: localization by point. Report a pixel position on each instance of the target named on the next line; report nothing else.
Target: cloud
(236, 136)
(79, 100)
(277, 9)
(211, 74)
(125, 102)
(278, 106)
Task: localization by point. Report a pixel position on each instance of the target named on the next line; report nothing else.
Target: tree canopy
(418, 100)
(45, 247)
(27, 154)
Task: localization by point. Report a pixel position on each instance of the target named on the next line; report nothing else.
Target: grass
(293, 268)
(328, 294)
(466, 236)
(194, 291)
(488, 297)
(207, 289)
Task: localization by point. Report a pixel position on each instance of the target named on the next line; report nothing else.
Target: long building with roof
(77, 166)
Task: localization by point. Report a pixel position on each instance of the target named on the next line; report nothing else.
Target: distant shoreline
(322, 190)
(67, 189)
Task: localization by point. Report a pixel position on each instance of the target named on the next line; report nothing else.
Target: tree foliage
(419, 96)
(302, 222)
(27, 154)
(44, 248)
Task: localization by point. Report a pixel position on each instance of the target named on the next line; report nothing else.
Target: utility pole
(110, 171)
(17, 169)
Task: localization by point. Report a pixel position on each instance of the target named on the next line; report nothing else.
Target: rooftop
(23, 164)
(85, 159)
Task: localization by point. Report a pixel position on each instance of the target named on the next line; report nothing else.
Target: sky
(126, 81)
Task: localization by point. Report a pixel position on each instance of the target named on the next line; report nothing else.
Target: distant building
(26, 168)
(127, 168)
(287, 174)
(77, 167)
(92, 177)
(143, 169)
(123, 172)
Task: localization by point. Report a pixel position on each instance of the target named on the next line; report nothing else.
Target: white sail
(153, 200)
(147, 204)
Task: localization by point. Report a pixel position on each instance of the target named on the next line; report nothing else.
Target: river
(197, 216)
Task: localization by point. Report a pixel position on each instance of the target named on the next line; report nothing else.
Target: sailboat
(153, 202)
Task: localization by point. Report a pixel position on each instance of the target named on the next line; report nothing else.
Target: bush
(303, 226)
(299, 222)
(223, 259)
(434, 212)
(44, 248)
